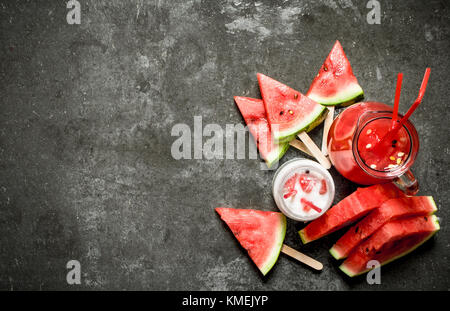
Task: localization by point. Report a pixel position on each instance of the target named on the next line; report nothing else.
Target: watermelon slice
(261, 233)
(394, 240)
(288, 111)
(335, 84)
(350, 209)
(252, 110)
(389, 210)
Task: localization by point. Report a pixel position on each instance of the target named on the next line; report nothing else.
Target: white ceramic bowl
(285, 172)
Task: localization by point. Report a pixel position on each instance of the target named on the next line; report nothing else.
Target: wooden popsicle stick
(301, 257)
(300, 146)
(326, 129)
(304, 137)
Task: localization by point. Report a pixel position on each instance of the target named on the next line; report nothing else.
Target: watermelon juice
(394, 152)
(351, 145)
(303, 190)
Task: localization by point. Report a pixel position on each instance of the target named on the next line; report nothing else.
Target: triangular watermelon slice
(288, 111)
(335, 84)
(261, 233)
(254, 114)
(392, 209)
(394, 240)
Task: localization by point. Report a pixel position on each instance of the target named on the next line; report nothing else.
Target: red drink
(391, 154)
(351, 145)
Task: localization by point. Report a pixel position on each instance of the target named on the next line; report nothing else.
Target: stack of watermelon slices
(284, 112)
(393, 226)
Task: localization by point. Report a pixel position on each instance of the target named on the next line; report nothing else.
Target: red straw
(418, 100)
(397, 98)
(410, 111)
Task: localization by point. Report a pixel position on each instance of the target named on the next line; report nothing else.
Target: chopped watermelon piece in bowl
(335, 84)
(289, 186)
(307, 182)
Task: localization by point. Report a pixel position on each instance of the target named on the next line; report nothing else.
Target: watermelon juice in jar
(353, 136)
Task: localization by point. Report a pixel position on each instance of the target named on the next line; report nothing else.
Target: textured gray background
(86, 115)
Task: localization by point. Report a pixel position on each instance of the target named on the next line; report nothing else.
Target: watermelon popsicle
(334, 85)
(253, 112)
(290, 114)
(262, 233)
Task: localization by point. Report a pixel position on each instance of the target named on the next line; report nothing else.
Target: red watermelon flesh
(261, 233)
(254, 114)
(288, 111)
(289, 186)
(393, 240)
(335, 84)
(349, 210)
(389, 210)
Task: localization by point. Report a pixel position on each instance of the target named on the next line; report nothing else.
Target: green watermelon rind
(352, 94)
(276, 249)
(305, 125)
(335, 253)
(350, 273)
(338, 256)
(317, 121)
(303, 237)
(276, 154)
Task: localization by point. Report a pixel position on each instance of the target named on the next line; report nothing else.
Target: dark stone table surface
(85, 136)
